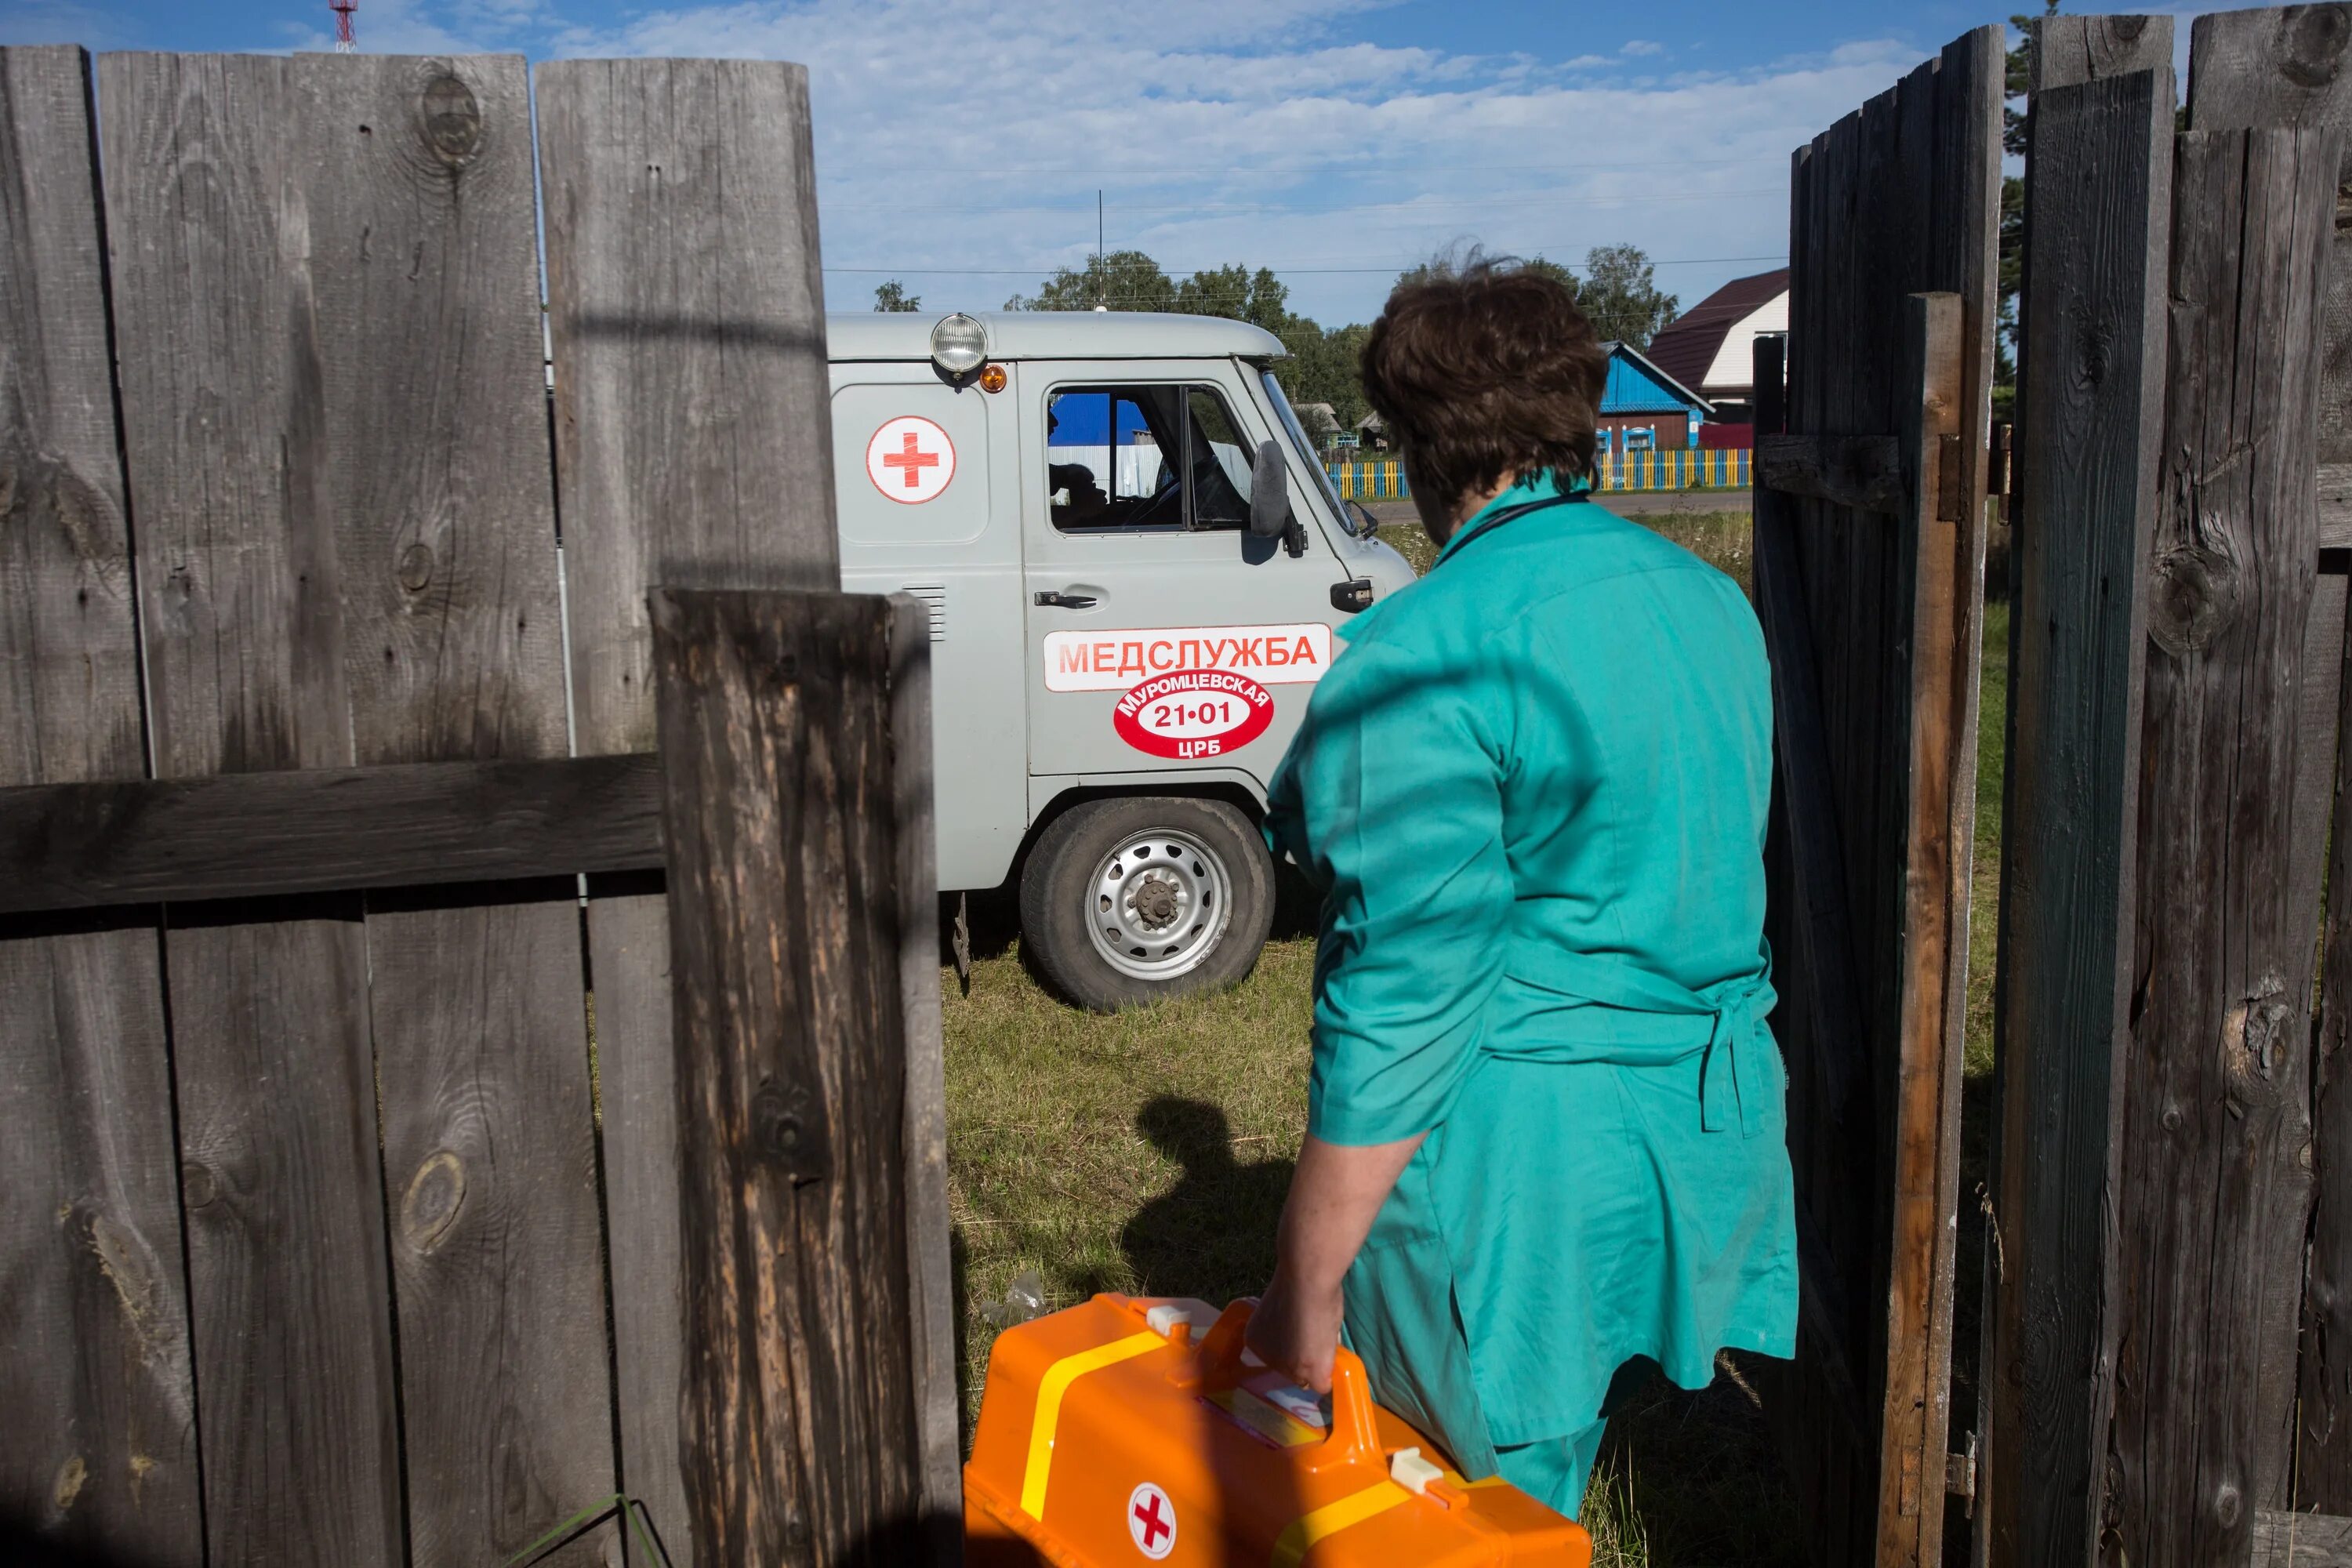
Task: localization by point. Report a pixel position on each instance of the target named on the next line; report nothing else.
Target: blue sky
(961, 144)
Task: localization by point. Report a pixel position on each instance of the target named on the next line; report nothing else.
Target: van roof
(1053, 334)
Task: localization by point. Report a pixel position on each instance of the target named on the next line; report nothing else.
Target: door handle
(1052, 600)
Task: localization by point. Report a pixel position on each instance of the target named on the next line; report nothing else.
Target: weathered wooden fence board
(1898, 199)
(1944, 561)
(422, 258)
(2215, 1082)
(778, 723)
(318, 830)
(693, 449)
(363, 523)
(100, 1443)
(2254, 69)
(2099, 211)
(222, 437)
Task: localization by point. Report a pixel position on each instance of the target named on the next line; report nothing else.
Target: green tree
(1236, 293)
(1620, 296)
(1123, 280)
(893, 295)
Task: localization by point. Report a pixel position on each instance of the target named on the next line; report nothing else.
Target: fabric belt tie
(1734, 1011)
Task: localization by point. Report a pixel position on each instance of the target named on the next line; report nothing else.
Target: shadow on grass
(1212, 1234)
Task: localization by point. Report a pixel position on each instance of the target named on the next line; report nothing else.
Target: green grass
(1151, 1153)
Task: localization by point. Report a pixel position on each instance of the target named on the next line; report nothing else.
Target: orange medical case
(1129, 1430)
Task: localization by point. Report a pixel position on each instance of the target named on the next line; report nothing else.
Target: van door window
(1144, 460)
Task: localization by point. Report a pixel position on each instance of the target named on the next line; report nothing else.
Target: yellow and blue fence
(1686, 469)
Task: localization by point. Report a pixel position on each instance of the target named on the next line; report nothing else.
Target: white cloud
(1642, 47)
(955, 136)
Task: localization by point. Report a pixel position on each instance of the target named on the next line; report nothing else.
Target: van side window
(1144, 460)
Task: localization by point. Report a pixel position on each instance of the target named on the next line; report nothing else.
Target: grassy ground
(1151, 1153)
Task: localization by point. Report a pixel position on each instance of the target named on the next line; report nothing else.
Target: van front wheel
(1127, 902)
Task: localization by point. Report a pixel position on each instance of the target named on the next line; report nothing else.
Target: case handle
(1355, 1435)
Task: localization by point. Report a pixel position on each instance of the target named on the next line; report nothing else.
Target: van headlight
(959, 345)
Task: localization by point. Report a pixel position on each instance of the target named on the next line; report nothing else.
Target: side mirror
(1269, 492)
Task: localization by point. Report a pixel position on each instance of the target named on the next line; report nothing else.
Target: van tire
(1197, 864)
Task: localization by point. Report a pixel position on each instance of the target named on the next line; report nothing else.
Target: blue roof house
(1645, 409)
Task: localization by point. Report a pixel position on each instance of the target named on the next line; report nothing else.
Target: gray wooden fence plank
(929, 1229)
(786, 940)
(693, 447)
(420, 225)
(2263, 68)
(2302, 1540)
(2068, 51)
(226, 453)
(2215, 1083)
(101, 1443)
(2100, 201)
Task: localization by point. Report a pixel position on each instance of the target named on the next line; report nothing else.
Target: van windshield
(1306, 447)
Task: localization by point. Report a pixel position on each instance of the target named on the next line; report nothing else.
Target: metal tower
(344, 42)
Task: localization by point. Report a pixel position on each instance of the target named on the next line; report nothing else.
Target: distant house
(1644, 409)
(1708, 347)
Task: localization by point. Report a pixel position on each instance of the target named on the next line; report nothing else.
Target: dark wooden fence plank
(99, 1446)
(441, 502)
(693, 447)
(778, 737)
(2266, 67)
(317, 830)
(1862, 473)
(2215, 1117)
(2099, 209)
(1896, 199)
(2302, 1540)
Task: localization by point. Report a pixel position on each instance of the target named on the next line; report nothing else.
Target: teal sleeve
(1395, 787)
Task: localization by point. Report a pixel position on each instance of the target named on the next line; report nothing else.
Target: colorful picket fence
(1682, 469)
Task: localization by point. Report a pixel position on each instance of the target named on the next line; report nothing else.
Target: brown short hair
(1486, 370)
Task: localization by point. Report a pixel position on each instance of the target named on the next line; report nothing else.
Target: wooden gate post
(795, 735)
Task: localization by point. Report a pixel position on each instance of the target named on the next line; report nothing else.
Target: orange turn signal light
(992, 378)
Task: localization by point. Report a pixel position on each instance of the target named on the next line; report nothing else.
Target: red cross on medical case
(1129, 1430)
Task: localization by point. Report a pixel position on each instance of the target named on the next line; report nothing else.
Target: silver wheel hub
(1157, 904)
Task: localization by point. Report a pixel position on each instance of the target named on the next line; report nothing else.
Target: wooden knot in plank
(199, 1188)
(789, 1132)
(436, 1197)
(451, 120)
(2195, 596)
(416, 567)
(2312, 40)
(2252, 1032)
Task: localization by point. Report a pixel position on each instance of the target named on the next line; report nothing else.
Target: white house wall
(1734, 363)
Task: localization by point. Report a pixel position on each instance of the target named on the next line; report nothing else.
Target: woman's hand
(1297, 1331)
(1335, 1196)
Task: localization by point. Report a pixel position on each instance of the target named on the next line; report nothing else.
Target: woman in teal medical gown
(1546, 1123)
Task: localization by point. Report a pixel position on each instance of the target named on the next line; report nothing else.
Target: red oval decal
(1188, 715)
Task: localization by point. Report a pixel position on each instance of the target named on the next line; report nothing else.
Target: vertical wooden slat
(333, 411)
(99, 1442)
(2100, 200)
(1945, 557)
(780, 802)
(420, 226)
(693, 447)
(2286, 67)
(2215, 1080)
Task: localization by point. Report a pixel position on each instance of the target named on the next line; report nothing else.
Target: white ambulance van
(1134, 566)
